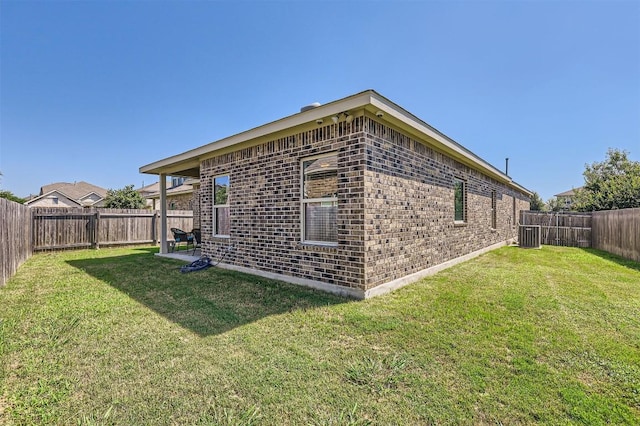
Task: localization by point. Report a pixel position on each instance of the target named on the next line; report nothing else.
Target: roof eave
(368, 99)
(191, 158)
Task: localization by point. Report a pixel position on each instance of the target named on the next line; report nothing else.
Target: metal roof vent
(310, 106)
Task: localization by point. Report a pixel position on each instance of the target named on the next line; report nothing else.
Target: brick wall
(180, 201)
(395, 206)
(195, 203)
(264, 202)
(409, 207)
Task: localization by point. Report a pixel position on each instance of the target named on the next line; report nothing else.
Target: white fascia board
(409, 119)
(89, 194)
(47, 195)
(383, 104)
(191, 157)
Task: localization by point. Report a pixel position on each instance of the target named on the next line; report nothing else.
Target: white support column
(163, 214)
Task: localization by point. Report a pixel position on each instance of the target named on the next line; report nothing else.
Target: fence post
(96, 230)
(154, 227)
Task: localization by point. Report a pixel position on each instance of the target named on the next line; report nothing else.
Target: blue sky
(93, 90)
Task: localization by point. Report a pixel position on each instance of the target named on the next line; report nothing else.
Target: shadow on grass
(207, 302)
(614, 258)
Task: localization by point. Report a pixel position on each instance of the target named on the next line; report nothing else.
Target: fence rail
(66, 228)
(24, 230)
(570, 229)
(15, 237)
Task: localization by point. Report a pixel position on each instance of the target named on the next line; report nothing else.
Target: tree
(536, 202)
(554, 204)
(610, 184)
(10, 196)
(125, 198)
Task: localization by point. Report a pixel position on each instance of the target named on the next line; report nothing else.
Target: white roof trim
(47, 194)
(192, 157)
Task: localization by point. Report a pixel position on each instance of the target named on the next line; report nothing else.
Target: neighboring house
(179, 197)
(356, 197)
(183, 195)
(63, 194)
(147, 190)
(566, 198)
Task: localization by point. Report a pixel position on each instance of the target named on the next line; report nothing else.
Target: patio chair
(197, 237)
(180, 236)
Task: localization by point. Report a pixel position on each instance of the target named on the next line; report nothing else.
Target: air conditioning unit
(529, 236)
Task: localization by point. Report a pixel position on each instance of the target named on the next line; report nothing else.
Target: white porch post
(163, 214)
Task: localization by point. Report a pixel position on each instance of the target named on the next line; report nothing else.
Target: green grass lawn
(119, 336)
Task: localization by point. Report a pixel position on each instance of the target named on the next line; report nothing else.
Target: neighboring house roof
(75, 192)
(149, 189)
(569, 193)
(185, 188)
(369, 101)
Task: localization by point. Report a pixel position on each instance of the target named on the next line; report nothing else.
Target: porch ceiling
(190, 169)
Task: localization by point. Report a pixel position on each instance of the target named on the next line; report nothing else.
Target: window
(221, 206)
(494, 212)
(460, 200)
(320, 199)
(514, 211)
(177, 181)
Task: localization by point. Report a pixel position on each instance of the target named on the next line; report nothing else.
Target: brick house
(357, 197)
(183, 195)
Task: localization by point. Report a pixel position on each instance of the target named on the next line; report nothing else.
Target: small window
(177, 181)
(221, 222)
(320, 199)
(494, 209)
(460, 200)
(515, 219)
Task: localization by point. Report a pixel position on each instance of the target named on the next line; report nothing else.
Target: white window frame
(304, 201)
(216, 207)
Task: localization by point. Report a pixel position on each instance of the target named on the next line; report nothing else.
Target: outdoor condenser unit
(529, 236)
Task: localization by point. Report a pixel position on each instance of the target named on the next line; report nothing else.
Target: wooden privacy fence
(570, 229)
(618, 232)
(15, 237)
(66, 228)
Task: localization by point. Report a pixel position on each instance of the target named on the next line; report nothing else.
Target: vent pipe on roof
(310, 106)
(506, 166)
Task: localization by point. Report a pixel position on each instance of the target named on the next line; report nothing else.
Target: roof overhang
(188, 162)
(50, 194)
